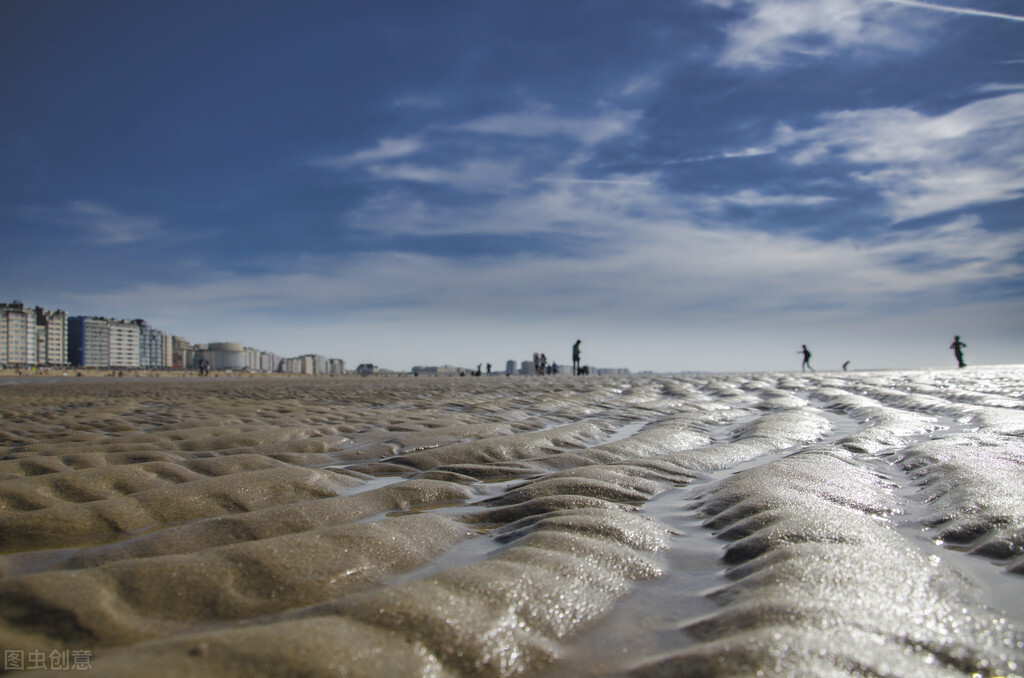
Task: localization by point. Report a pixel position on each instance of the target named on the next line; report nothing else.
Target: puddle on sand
(650, 622)
(372, 483)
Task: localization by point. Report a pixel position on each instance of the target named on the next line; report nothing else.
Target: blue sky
(693, 185)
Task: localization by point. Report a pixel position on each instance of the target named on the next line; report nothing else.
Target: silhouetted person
(958, 350)
(576, 356)
(806, 365)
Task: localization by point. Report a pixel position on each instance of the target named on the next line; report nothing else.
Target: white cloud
(572, 180)
(754, 198)
(387, 148)
(638, 248)
(387, 160)
(649, 262)
(958, 10)
(771, 30)
(923, 164)
(473, 175)
(566, 206)
(101, 224)
(632, 261)
(640, 84)
(542, 122)
(750, 152)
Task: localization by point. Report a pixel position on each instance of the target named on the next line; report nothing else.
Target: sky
(699, 185)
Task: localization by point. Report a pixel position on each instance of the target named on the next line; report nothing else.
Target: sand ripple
(772, 524)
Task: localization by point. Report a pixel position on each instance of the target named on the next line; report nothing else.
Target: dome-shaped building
(226, 356)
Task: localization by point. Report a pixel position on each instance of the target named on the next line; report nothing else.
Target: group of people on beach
(957, 346)
(540, 365)
(540, 362)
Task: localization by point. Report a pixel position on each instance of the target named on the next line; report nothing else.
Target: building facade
(51, 337)
(18, 339)
(88, 341)
(181, 353)
(124, 343)
(36, 336)
(153, 346)
(225, 356)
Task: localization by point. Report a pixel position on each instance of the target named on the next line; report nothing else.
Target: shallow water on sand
(867, 523)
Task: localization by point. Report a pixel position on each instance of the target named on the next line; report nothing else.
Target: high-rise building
(270, 362)
(18, 338)
(88, 341)
(124, 343)
(52, 337)
(152, 346)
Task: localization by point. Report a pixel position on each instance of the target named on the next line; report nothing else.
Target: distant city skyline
(699, 186)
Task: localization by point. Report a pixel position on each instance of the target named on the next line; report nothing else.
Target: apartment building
(88, 341)
(124, 343)
(36, 336)
(18, 340)
(313, 364)
(153, 346)
(269, 362)
(51, 337)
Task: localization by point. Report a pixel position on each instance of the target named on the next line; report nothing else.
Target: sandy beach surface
(783, 524)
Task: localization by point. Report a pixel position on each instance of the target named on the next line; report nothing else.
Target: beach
(777, 524)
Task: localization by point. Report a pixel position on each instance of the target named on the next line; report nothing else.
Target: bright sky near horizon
(692, 185)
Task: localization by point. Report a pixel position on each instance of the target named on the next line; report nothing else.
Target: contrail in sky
(958, 10)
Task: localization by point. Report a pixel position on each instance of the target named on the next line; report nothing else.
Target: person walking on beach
(576, 356)
(958, 350)
(806, 365)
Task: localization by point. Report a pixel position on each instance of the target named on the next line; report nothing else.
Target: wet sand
(826, 524)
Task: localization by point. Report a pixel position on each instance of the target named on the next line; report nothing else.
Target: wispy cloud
(755, 198)
(923, 164)
(542, 121)
(473, 175)
(571, 180)
(386, 149)
(649, 259)
(440, 161)
(772, 30)
(101, 225)
(640, 84)
(958, 10)
(594, 211)
(751, 152)
(638, 247)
